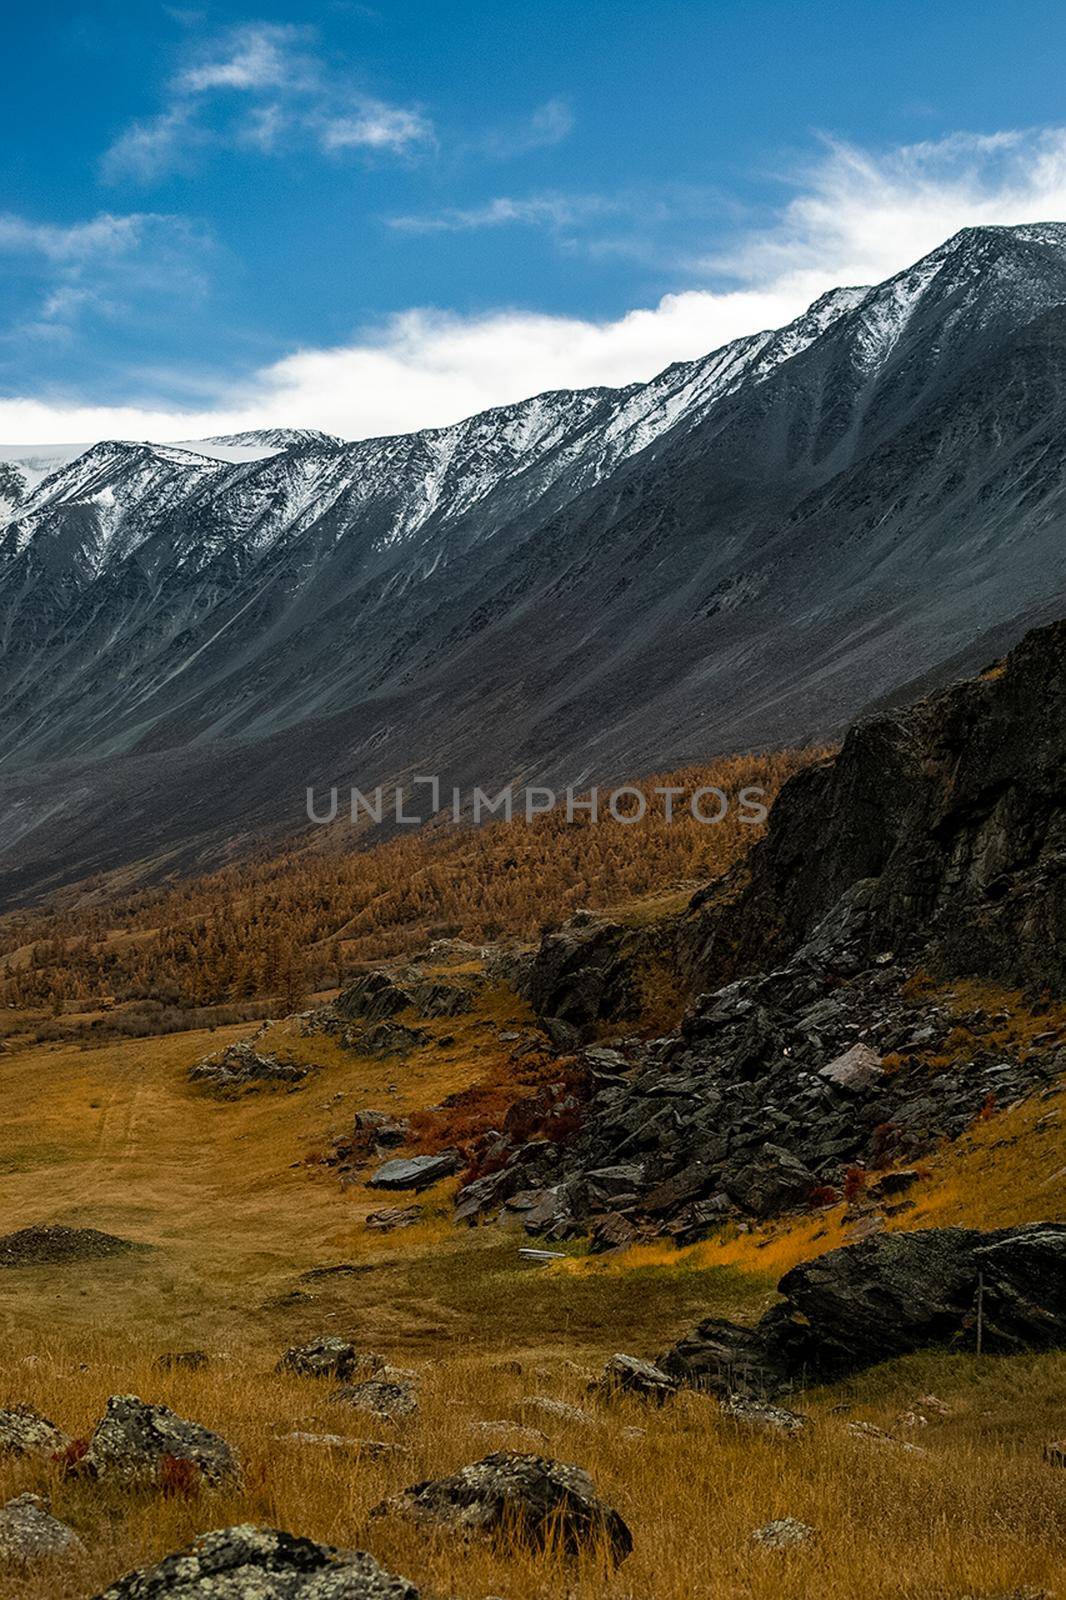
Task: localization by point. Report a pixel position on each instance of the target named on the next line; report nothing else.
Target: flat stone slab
(416, 1172)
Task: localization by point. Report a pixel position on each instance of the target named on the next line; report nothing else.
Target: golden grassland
(242, 1218)
(978, 1513)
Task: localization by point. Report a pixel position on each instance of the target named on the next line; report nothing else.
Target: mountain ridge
(743, 552)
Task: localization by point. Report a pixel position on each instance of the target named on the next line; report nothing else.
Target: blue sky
(369, 217)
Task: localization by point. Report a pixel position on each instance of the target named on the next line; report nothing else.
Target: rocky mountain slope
(932, 848)
(746, 550)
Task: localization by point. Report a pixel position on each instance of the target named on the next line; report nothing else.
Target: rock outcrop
(935, 842)
(886, 1297)
(951, 815)
(526, 1497)
(416, 1172)
(240, 1067)
(235, 1563)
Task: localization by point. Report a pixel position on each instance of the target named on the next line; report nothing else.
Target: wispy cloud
(263, 86)
(853, 216)
(547, 125)
(535, 211)
(373, 125)
(101, 264)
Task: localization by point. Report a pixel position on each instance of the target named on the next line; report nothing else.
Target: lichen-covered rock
(378, 1396)
(24, 1432)
(629, 1375)
(29, 1533)
(784, 1534)
(326, 1357)
(762, 1416)
(249, 1563)
(527, 1497)
(134, 1440)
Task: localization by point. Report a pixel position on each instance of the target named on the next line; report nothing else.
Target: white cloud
(254, 56)
(373, 125)
(103, 235)
(259, 85)
(854, 217)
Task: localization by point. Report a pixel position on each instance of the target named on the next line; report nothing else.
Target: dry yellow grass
(979, 1513)
(116, 1138)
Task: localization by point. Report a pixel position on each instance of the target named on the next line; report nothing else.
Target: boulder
(29, 1533)
(372, 997)
(722, 1357)
(416, 1172)
(898, 1292)
(857, 1070)
(378, 1396)
(762, 1416)
(526, 1497)
(389, 1218)
(24, 1432)
(629, 1375)
(386, 1039)
(888, 1296)
(134, 1441)
(242, 1562)
(326, 1357)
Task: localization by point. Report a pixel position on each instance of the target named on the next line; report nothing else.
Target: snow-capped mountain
(745, 550)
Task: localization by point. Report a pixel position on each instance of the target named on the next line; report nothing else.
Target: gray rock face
(773, 1182)
(723, 1357)
(890, 1295)
(326, 1357)
(416, 1172)
(249, 1563)
(134, 1441)
(29, 1533)
(389, 1218)
(528, 1497)
(24, 1432)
